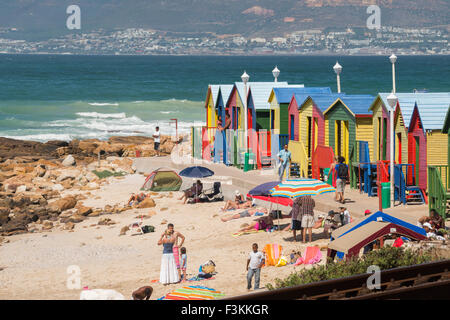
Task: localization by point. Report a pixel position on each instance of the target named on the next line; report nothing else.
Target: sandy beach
(35, 264)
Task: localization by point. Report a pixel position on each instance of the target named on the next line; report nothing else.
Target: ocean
(65, 97)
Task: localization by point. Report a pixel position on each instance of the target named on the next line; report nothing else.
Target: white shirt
(255, 259)
(156, 139)
(346, 216)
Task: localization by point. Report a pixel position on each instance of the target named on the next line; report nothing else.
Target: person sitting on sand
(422, 220)
(238, 202)
(436, 220)
(143, 293)
(262, 223)
(137, 198)
(243, 214)
(193, 191)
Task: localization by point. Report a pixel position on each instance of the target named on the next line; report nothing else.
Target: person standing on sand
(255, 262)
(169, 272)
(284, 156)
(296, 217)
(175, 249)
(307, 205)
(341, 170)
(157, 140)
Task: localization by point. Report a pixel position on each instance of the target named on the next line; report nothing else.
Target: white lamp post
(392, 100)
(393, 59)
(276, 73)
(245, 78)
(338, 69)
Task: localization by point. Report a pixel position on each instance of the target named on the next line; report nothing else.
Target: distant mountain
(37, 19)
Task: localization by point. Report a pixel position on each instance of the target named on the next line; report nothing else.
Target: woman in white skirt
(169, 272)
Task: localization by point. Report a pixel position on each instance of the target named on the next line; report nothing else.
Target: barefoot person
(193, 191)
(262, 223)
(341, 179)
(238, 202)
(175, 250)
(307, 205)
(156, 140)
(244, 214)
(296, 217)
(254, 263)
(169, 272)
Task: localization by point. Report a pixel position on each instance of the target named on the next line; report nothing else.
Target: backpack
(343, 171)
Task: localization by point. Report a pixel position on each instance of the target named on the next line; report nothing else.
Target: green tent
(162, 180)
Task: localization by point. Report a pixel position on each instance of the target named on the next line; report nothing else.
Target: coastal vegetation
(385, 258)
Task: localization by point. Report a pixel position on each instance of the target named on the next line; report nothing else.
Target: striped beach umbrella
(300, 187)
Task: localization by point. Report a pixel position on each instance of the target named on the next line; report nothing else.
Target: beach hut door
(292, 124)
(416, 160)
(272, 119)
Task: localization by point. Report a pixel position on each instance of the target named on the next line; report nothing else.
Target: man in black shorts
(156, 140)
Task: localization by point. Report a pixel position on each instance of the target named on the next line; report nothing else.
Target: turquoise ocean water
(48, 97)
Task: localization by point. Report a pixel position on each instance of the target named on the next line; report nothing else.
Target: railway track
(424, 281)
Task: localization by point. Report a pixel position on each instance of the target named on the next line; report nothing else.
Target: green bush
(105, 174)
(384, 258)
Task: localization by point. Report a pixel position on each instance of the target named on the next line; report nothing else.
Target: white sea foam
(103, 104)
(121, 115)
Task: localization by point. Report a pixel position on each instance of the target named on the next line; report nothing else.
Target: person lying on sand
(262, 223)
(238, 203)
(243, 214)
(137, 198)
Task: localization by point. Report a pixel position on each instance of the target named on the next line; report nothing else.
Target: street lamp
(338, 69)
(393, 59)
(392, 101)
(245, 78)
(276, 73)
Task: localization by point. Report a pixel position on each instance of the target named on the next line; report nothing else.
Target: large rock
(147, 203)
(69, 161)
(63, 204)
(4, 215)
(10, 148)
(68, 174)
(84, 211)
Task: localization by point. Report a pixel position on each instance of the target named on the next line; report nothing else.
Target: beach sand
(35, 265)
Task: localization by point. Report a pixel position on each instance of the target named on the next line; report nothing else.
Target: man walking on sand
(284, 156)
(156, 140)
(255, 262)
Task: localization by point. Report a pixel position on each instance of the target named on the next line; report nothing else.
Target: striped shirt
(307, 206)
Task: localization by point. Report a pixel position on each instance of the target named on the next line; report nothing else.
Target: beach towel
(312, 255)
(238, 234)
(176, 256)
(193, 293)
(273, 254)
(197, 278)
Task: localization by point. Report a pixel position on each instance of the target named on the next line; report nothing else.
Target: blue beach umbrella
(263, 189)
(196, 172)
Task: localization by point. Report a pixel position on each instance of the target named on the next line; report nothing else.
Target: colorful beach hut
(279, 100)
(347, 120)
(307, 122)
(427, 144)
(235, 103)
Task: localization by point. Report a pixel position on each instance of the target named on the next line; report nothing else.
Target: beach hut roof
(352, 243)
(225, 89)
(284, 95)
(432, 107)
(322, 101)
(399, 219)
(356, 104)
(260, 92)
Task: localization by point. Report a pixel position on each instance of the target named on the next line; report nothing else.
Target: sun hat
(426, 224)
(237, 193)
(367, 211)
